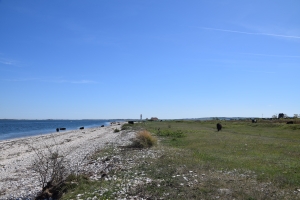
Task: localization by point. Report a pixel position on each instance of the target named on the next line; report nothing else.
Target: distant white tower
(141, 117)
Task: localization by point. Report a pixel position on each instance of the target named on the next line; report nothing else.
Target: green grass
(86, 188)
(272, 150)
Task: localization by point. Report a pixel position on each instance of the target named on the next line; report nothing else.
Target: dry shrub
(144, 139)
(50, 165)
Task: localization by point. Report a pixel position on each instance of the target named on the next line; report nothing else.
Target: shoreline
(49, 133)
(43, 130)
(17, 179)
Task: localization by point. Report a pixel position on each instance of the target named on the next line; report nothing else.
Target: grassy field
(271, 150)
(194, 161)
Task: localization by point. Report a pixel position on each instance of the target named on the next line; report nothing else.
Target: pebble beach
(19, 181)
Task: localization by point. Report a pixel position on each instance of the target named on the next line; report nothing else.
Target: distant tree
(280, 115)
(274, 116)
(296, 115)
(285, 116)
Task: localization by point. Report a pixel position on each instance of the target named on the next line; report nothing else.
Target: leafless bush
(55, 171)
(2, 191)
(51, 165)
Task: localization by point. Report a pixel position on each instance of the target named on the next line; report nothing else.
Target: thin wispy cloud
(51, 80)
(261, 72)
(76, 82)
(21, 79)
(8, 62)
(251, 33)
(270, 55)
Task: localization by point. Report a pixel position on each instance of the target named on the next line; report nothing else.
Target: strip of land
(17, 179)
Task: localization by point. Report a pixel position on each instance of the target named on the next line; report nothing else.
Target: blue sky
(167, 59)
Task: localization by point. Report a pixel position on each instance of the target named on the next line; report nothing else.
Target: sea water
(10, 129)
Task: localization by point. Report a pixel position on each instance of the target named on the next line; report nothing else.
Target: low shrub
(126, 126)
(144, 139)
(52, 168)
(50, 165)
(116, 130)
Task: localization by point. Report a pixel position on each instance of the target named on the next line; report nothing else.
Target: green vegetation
(116, 130)
(126, 126)
(271, 150)
(170, 133)
(192, 160)
(84, 187)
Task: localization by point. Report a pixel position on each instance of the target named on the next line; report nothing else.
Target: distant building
(154, 119)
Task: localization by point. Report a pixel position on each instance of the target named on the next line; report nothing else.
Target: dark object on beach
(62, 128)
(254, 121)
(130, 122)
(219, 126)
(81, 128)
(57, 129)
(290, 122)
(102, 125)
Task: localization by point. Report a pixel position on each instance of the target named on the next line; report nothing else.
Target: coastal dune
(17, 179)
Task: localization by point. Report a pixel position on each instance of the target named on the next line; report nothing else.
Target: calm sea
(10, 129)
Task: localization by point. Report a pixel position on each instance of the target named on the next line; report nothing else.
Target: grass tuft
(144, 139)
(116, 130)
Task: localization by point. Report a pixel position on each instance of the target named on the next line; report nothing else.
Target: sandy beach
(17, 179)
